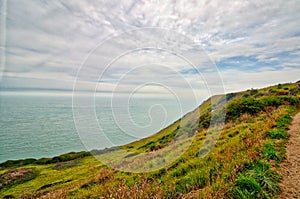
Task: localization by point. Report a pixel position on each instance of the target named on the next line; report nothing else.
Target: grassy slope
(243, 163)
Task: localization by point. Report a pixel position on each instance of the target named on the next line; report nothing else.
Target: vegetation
(243, 164)
(17, 176)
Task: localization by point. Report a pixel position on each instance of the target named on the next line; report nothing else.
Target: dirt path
(291, 166)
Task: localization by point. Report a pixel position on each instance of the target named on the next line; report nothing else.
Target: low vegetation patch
(17, 176)
(42, 161)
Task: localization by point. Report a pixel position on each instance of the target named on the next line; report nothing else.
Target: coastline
(60, 158)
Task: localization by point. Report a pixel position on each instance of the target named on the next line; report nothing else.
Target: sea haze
(35, 126)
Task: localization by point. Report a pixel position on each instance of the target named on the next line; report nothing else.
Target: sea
(47, 125)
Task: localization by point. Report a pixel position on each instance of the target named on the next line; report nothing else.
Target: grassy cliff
(243, 163)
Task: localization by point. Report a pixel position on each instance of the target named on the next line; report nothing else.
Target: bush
(246, 95)
(253, 91)
(131, 155)
(279, 86)
(257, 95)
(63, 158)
(17, 163)
(204, 120)
(241, 106)
(230, 96)
(252, 106)
(271, 101)
(295, 90)
(17, 176)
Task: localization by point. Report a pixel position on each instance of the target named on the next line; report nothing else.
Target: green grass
(278, 134)
(269, 152)
(243, 163)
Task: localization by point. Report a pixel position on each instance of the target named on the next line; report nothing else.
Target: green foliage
(63, 158)
(253, 91)
(195, 179)
(233, 134)
(257, 95)
(252, 106)
(230, 96)
(241, 106)
(17, 163)
(269, 152)
(204, 120)
(246, 95)
(42, 161)
(295, 90)
(279, 86)
(284, 121)
(246, 187)
(279, 100)
(18, 176)
(164, 140)
(200, 178)
(258, 181)
(278, 134)
(131, 155)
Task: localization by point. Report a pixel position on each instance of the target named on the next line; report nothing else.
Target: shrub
(230, 96)
(241, 106)
(253, 106)
(295, 90)
(250, 105)
(16, 163)
(257, 95)
(17, 176)
(279, 86)
(253, 91)
(270, 101)
(204, 120)
(131, 155)
(63, 158)
(246, 95)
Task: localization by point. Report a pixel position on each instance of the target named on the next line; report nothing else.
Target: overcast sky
(46, 45)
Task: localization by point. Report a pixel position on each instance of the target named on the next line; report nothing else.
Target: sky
(152, 47)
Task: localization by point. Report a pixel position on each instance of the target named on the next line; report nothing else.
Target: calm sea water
(43, 125)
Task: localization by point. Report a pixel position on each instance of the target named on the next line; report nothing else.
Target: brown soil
(290, 168)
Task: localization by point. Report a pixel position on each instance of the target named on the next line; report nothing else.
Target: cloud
(236, 80)
(48, 42)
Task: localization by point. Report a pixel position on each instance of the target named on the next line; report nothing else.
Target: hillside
(244, 162)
